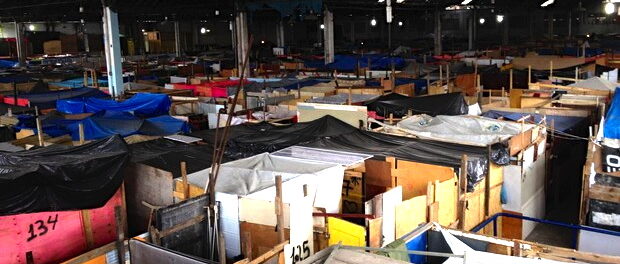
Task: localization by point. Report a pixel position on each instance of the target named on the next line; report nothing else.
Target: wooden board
(410, 214)
(446, 193)
(375, 235)
(263, 238)
(543, 62)
(144, 183)
(414, 176)
(352, 193)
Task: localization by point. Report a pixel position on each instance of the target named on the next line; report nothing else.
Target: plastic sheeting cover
(141, 105)
(612, 120)
(400, 105)
(251, 177)
(59, 178)
(471, 130)
(330, 133)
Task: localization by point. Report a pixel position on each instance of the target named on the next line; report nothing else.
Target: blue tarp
(612, 119)
(7, 64)
(48, 100)
(79, 82)
(561, 123)
(141, 105)
(107, 123)
(14, 79)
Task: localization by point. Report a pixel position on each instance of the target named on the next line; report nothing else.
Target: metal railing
(574, 228)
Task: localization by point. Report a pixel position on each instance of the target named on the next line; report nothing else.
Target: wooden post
(551, 71)
(95, 79)
(279, 209)
(247, 245)
(511, 82)
(487, 186)
(462, 198)
(120, 239)
(184, 179)
(350, 95)
(81, 133)
(440, 75)
(475, 71)
(88, 229)
(369, 69)
(576, 74)
(448, 77)
(516, 250)
(86, 78)
(222, 247)
(39, 127)
(529, 76)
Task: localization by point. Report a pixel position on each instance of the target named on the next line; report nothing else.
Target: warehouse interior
(309, 131)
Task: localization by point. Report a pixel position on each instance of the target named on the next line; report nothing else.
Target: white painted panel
(599, 243)
(534, 207)
(229, 222)
(391, 199)
(512, 184)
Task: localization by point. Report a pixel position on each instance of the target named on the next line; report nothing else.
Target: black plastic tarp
(59, 177)
(167, 155)
(330, 133)
(400, 105)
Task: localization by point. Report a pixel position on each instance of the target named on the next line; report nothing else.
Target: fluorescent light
(373, 22)
(482, 20)
(499, 18)
(381, 1)
(466, 2)
(399, 1)
(546, 3)
(610, 8)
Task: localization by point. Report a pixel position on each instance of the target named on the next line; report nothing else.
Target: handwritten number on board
(39, 227)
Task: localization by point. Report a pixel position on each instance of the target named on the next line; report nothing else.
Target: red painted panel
(54, 236)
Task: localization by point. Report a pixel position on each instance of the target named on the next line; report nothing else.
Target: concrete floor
(553, 235)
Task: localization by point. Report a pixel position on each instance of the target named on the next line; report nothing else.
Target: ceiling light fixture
(373, 22)
(466, 2)
(609, 8)
(203, 30)
(482, 20)
(546, 3)
(499, 18)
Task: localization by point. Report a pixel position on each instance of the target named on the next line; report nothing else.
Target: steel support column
(328, 36)
(177, 39)
(438, 48)
(241, 45)
(19, 43)
(113, 51)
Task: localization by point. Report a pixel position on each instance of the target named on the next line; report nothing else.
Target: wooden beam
(279, 208)
(120, 233)
(81, 133)
(184, 180)
(269, 254)
(462, 190)
(88, 229)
